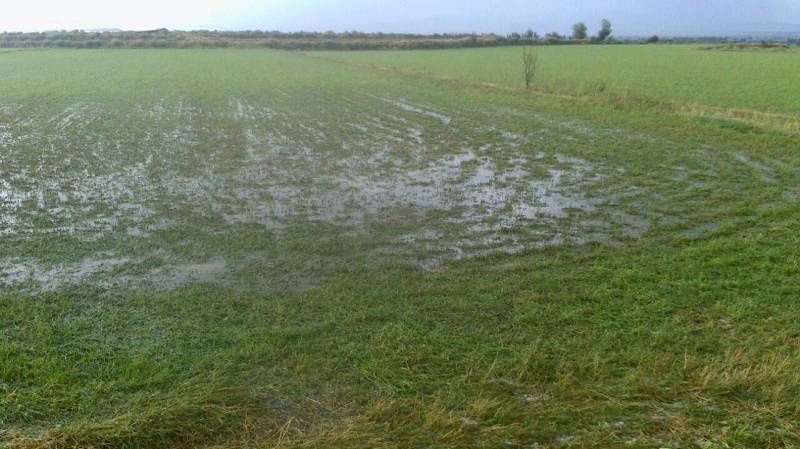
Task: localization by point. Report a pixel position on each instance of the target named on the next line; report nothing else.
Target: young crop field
(755, 79)
(253, 248)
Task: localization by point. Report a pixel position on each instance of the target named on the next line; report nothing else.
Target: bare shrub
(529, 61)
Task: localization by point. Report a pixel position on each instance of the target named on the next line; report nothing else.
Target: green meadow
(263, 249)
(763, 80)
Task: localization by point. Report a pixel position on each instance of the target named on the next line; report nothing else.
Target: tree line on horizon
(352, 40)
(580, 34)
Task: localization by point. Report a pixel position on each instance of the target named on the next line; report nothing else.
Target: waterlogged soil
(260, 194)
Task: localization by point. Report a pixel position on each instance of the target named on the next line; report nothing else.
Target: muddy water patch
(108, 271)
(78, 201)
(41, 277)
(464, 181)
(214, 270)
(469, 186)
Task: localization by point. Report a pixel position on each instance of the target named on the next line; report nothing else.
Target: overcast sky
(630, 17)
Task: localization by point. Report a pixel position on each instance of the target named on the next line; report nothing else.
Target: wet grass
(328, 256)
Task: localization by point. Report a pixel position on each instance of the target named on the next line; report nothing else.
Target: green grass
(261, 249)
(746, 80)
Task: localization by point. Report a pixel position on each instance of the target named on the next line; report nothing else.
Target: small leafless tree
(529, 61)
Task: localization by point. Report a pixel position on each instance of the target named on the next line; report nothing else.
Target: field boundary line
(8, 51)
(786, 123)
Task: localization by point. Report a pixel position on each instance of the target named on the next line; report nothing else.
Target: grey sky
(630, 17)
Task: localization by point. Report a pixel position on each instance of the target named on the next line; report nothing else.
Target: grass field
(758, 80)
(233, 248)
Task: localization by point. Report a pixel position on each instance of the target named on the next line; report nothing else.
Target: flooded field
(147, 196)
